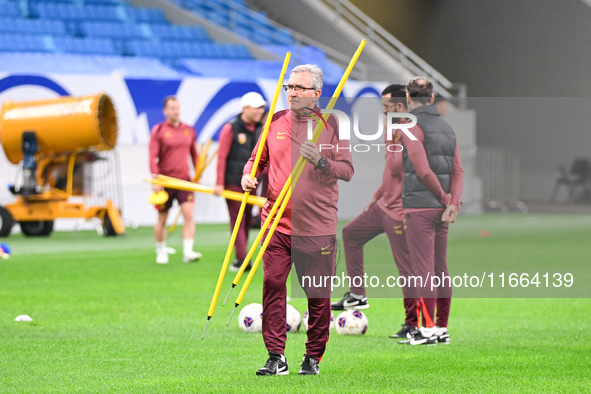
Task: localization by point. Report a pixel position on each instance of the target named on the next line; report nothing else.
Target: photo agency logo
(392, 120)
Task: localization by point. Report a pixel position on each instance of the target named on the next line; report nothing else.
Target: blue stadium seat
(24, 43)
(54, 1)
(134, 67)
(152, 15)
(239, 69)
(181, 33)
(104, 2)
(29, 26)
(9, 9)
(283, 37)
(113, 30)
(77, 12)
(97, 46)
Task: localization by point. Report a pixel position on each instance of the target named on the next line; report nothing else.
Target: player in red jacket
(171, 144)
(306, 233)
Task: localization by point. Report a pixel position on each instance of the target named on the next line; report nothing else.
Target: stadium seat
(151, 15)
(239, 69)
(98, 46)
(105, 2)
(29, 26)
(9, 9)
(78, 12)
(138, 67)
(181, 33)
(24, 43)
(114, 30)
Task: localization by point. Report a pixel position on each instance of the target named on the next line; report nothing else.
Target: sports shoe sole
(425, 341)
(282, 373)
(190, 260)
(355, 306)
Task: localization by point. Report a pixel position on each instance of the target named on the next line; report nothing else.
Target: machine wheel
(108, 229)
(6, 222)
(37, 228)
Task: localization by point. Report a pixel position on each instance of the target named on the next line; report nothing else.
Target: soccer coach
(306, 233)
(431, 189)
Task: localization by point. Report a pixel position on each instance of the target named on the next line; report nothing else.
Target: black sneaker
(276, 365)
(356, 303)
(442, 335)
(235, 267)
(404, 331)
(410, 335)
(415, 337)
(338, 306)
(309, 366)
(424, 337)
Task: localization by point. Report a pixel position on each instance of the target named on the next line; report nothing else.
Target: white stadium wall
(206, 104)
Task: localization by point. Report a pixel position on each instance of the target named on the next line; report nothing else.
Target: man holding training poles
(306, 233)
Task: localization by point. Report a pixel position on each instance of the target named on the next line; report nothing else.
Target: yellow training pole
(262, 141)
(259, 237)
(205, 165)
(298, 169)
(260, 255)
(200, 160)
(179, 184)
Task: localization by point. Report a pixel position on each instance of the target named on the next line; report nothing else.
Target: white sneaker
(162, 257)
(191, 256)
(424, 336)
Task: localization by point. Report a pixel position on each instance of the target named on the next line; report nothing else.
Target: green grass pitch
(108, 319)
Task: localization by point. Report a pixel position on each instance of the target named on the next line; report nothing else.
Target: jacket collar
(426, 109)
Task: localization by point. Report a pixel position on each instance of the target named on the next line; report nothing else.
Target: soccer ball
(305, 321)
(351, 322)
(294, 319)
(250, 318)
(4, 251)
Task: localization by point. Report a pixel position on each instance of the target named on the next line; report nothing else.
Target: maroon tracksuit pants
(360, 231)
(233, 209)
(314, 259)
(426, 236)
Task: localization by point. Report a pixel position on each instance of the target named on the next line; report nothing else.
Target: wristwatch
(321, 163)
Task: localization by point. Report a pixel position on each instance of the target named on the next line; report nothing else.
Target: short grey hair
(312, 69)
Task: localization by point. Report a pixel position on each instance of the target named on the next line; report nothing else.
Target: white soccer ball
(250, 318)
(293, 319)
(351, 322)
(305, 321)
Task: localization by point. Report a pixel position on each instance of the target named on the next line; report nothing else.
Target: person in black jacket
(237, 140)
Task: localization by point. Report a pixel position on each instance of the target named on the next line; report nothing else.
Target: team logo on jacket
(186, 132)
(242, 138)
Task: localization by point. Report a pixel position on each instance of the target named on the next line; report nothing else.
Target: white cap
(253, 99)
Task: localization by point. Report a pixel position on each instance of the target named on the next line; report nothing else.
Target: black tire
(108, 229)
(37, 228)
(6, 222)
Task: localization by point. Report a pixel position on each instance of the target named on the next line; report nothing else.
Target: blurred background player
(441, 103)
(308, 237)
(383, 214)
(432, 187)
(237, 141)
(171, 144)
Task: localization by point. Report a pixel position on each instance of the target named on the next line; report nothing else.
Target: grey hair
(312, 69)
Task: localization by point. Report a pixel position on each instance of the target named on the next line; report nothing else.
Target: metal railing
(357, 20)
